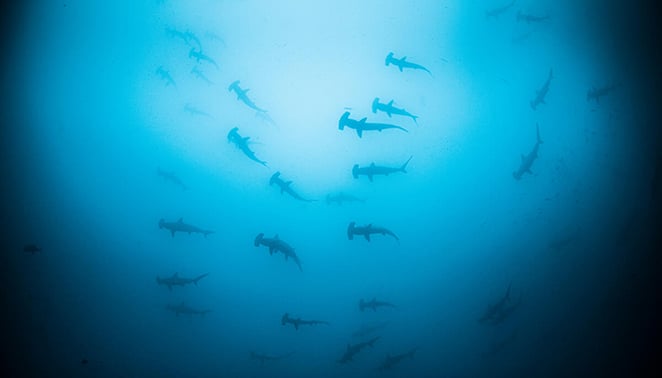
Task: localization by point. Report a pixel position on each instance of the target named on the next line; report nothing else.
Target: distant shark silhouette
(180, 226)
(391, 361)
(352, 350)
(496, 12)
(242, 96)
(361, 125)
(541, 93)
(265, 357)
(285, 187)
(373, 304)
(165, 75)
(596, 93)
(529, 18)
(195, 111)
(527, 160)
(200, 75)
(170, 176)
(199, 56)
(182, 308)
(175, 280)
(403, 63)
(296, 322)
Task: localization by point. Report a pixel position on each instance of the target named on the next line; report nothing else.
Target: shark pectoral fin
(172, 232)
(388, 113)
(400, 67)
(367, 237)
(359, 132)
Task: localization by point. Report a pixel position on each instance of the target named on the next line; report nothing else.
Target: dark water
(549, 271)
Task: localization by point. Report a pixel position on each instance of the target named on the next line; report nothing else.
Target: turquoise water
(490, 275)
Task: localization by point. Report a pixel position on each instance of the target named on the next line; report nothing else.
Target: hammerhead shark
(596, 93)
(296, 322)
(342, 197)
(200, 75)
(170, 176)
(527, 160)
(176, 280)
(391, 361)
(373, 304)
(356, 348)
(366, 231)
(195, 111)
(186, 36)
(403, 63)
(165, 75)
(541, 93)
(496, 12)
(200, 56)
(529, 18)
(361, 125)
(285, 186)
(498, 312)
(276, 245)
(242, 144)
(265, 357)
(241, 95)
(389, 109)
(182, 308)
(182, 227)
(31, 248)
(373, 170)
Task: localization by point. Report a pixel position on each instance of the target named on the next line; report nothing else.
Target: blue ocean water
(506, 240)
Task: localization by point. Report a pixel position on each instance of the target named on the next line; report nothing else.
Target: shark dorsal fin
(362, 121)
(390, 103)
(175, 275)
(372, 164)
(369, 226)
(276, 237)
(246, 138)
(181, 220)
(404, 58)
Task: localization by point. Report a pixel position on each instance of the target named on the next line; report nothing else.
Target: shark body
(242, 144)
(180, 226)
(276, 245)
(176, 280)
(368, 230)
(361, 125)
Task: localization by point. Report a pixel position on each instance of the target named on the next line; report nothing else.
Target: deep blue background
(86, 123)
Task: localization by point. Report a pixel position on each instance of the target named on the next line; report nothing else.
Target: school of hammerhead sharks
(495, 313)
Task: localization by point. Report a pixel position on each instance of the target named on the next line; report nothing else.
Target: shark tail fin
(404, 166)
(198, 278)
